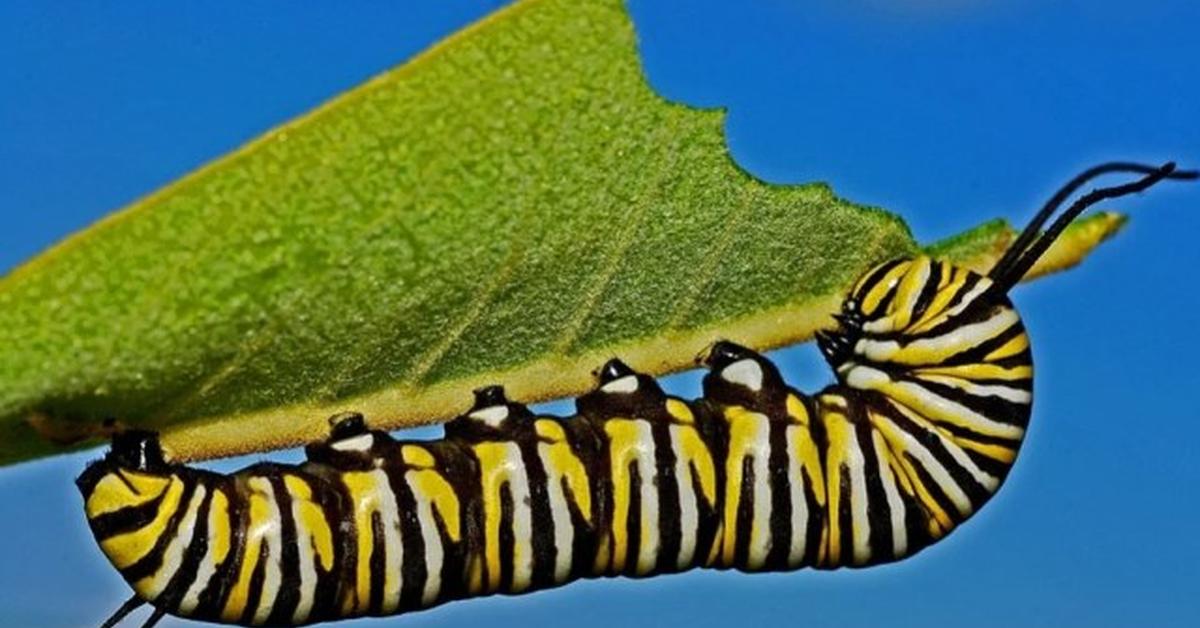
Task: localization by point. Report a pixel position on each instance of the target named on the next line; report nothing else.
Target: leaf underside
(513, 206)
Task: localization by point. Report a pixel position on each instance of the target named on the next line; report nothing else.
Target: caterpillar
(932, 397)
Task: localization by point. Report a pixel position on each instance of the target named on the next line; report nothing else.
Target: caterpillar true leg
(933, 394)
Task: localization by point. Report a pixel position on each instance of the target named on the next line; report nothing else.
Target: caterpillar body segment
(932, 398)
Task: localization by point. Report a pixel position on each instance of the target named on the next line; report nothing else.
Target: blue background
(947, 112)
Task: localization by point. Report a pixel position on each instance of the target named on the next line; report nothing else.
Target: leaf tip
(1077, 242)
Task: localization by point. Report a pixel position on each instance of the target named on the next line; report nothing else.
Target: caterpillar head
(920, 318)
(908, 314)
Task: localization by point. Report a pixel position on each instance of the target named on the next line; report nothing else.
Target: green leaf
(515, 205)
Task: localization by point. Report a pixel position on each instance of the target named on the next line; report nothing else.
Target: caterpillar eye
(137, 449)
(834, 346)
(849, 320)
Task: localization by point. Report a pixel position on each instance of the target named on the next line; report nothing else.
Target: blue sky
(948, 112)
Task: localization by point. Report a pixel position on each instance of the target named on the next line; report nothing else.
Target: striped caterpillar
(930, 406)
